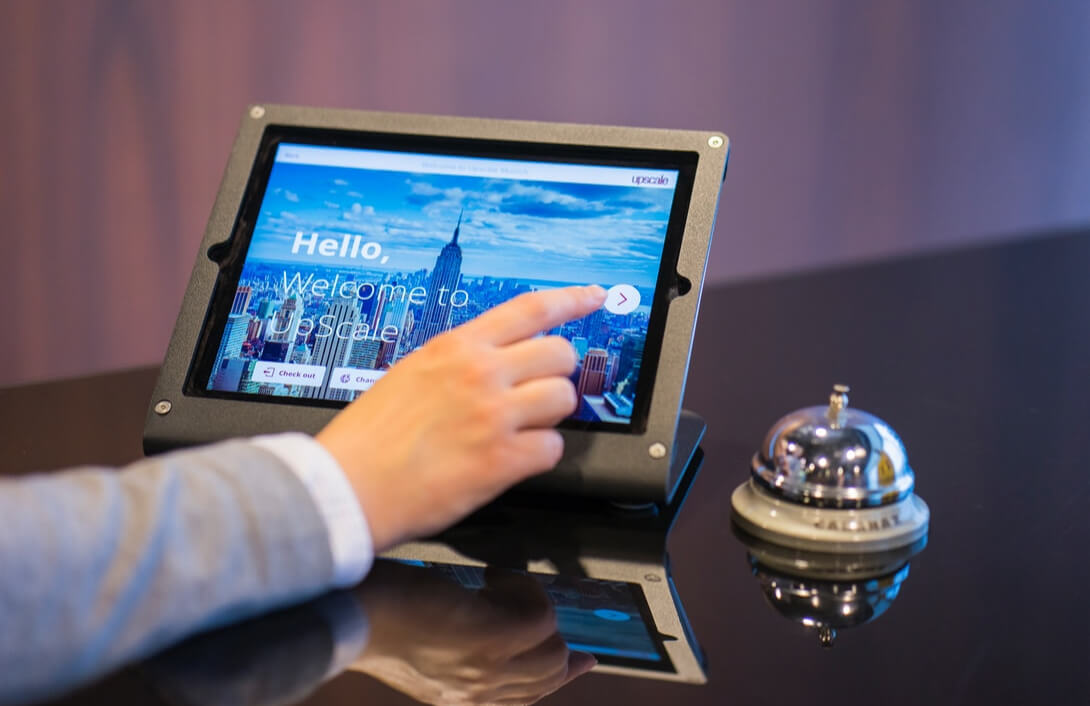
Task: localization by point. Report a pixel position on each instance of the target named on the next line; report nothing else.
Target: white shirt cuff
(349, 535)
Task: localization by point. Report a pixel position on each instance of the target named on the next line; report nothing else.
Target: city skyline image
(349, 270)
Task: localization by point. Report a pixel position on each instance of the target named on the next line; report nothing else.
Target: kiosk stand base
(518, 528)
(687, 462)
(690, 432)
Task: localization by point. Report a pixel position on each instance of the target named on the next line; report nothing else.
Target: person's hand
(464, 417)
(442, 643)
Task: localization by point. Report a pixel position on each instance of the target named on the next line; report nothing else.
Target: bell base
(776, 520)
(825, 565)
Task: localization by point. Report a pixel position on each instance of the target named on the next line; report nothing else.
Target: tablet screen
(359, 256)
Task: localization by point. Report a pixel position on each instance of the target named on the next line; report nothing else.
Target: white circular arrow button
(622, 299)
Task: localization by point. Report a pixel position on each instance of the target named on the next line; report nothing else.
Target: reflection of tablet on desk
(342, 241)
(612, 620)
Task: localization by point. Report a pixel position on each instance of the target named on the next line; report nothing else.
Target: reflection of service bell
(827, 592)
(832, 479)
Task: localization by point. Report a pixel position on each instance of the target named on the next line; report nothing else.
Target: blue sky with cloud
(529, 230)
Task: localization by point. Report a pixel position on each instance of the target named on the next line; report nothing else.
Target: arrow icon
(622, 299)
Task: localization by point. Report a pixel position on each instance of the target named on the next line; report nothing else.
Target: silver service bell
(832, 479)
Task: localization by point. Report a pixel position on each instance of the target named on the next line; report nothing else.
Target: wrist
(370, 495)
(347, 527)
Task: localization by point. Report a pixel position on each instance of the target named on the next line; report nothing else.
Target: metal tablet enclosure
(618, 465)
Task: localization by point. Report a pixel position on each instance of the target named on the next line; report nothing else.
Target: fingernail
(595, 292)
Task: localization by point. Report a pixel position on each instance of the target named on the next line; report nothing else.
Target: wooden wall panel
(860, 129)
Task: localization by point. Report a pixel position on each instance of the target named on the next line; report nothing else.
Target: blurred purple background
(860, 129)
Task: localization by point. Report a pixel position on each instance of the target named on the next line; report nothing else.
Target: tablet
(343, 241)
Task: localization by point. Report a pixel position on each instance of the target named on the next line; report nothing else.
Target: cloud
(340, 182)
(539, 201)
(434, 201)
(291, 196)
(330, 204)
(612, 237)
(634, 204)
(423, 194)
(549, 210)
(357, 211)
(517, 198)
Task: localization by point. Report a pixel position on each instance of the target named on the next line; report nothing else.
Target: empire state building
(435, 318)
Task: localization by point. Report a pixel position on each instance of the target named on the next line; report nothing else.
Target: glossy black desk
(980, 359)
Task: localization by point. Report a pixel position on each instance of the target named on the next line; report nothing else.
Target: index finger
(529, 314)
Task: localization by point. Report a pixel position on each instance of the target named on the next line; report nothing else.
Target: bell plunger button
(838, 401)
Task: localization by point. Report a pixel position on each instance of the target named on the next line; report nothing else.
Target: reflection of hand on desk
(442, 643)
(408, 627)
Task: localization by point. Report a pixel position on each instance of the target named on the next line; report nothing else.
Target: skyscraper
(593, 377)
(242, 300)
(255, 329)
(611, 371)
(281, 331)
(435, 317)
(369, 309)
(228, 377)
(364, 353)
(246, 381)
(329, 351)
(386, 353)
(580, 345)
(265, 308)
(392, 310)
(592, 325)
(631, 357)
(234, 334)
(404, 336)
(300, 354)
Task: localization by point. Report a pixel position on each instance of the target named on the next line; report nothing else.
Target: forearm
(101, 567)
